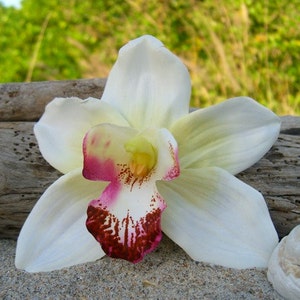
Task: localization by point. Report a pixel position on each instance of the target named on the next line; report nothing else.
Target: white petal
(218, 219)
(284, 266)
(54, 235)
(148, 84)
(61, 129)
(232, 135)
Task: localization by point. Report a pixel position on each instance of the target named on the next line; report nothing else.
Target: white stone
(284, 266)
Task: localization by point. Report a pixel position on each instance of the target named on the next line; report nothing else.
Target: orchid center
(143, 156)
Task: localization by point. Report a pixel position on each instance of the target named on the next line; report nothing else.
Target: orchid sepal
(54, 235)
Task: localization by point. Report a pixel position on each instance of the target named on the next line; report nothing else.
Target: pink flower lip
(125, 238)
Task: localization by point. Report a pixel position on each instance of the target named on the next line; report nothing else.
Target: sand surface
(167, 273)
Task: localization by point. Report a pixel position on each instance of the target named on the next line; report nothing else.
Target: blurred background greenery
(231, 48)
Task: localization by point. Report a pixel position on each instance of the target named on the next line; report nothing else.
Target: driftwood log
(24, 174)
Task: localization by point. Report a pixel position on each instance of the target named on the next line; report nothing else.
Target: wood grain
(25, 174)
(27, 101)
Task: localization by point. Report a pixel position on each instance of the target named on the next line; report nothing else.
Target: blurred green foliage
(231, 48)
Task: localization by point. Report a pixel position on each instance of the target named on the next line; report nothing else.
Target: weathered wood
(24, 175)
(26, 101)
(277, 177)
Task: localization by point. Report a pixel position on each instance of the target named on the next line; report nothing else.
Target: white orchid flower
(149, 165)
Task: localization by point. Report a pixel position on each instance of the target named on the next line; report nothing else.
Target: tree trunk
(25, 175)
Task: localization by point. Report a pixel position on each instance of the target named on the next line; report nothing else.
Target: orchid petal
(232, 135)
(148, 84)
(61, 129)
(54, 235)
(126, 219)
(218, 219)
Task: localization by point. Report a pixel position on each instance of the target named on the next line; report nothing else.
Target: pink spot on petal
(96, 169)
(174, 171)
(107, 144)
(110, 194)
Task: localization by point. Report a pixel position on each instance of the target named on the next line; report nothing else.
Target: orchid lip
(126, 239)
(126, 218)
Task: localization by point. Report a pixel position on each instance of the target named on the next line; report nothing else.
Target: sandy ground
(167, 273)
